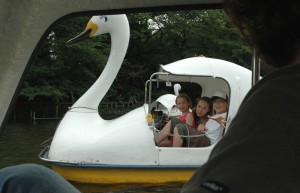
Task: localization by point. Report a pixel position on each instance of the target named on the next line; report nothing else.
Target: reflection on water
(21, 143)
(129, 188)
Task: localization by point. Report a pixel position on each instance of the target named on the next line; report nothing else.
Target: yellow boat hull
(124, 175)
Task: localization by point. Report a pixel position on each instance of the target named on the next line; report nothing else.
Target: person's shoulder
(279, 83)
(189, 114)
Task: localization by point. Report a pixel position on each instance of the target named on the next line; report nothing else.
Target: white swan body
(83, 139)
(82, 130)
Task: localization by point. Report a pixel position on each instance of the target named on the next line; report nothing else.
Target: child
(184, 104)
(213, 129)
(201, 112)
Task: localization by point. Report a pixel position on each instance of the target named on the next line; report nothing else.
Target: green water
(21, 143)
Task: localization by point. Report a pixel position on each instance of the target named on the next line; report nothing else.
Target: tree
(63, 73)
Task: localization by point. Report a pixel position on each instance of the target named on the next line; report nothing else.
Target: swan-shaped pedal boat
(89, 149)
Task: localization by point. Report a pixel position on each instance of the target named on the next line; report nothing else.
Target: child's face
(202, 109)
(219, 106)
(182, 104)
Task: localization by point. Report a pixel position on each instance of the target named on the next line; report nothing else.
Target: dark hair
(271, 27)
(185, 96)
(208, 101)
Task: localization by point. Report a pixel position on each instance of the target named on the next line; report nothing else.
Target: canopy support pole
(255, 68)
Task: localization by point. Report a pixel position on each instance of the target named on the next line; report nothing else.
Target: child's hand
(220, 119)
(201, 128)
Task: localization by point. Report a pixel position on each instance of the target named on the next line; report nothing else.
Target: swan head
(177, 88)
(102, 24)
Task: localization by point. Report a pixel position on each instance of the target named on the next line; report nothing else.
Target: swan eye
(105, 19)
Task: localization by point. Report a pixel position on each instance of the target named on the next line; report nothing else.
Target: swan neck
(119, 45)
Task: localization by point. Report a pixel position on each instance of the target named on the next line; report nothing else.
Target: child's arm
(201, 128)
(220, 119)
(190, 119)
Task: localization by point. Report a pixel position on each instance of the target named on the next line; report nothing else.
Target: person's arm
(190, 119)
(201, 128)
(220, 119)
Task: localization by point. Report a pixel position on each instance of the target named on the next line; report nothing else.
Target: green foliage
(64, 72)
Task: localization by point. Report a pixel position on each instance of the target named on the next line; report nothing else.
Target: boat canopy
(211, 74)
